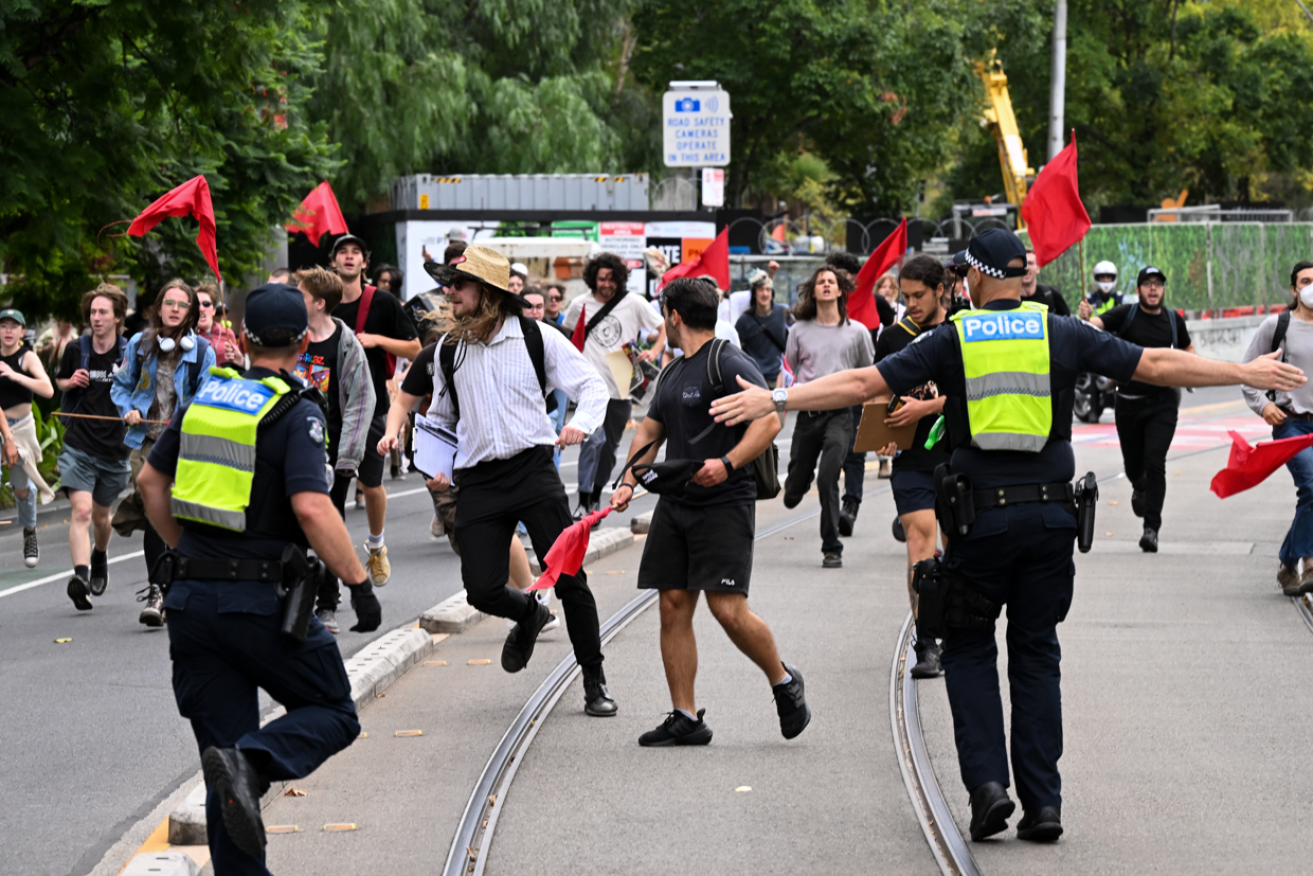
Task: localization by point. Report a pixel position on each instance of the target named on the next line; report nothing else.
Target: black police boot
(597, 699)
(899, 533)
(1137, 502)
(518, 649)
(1043, 825)
(1149, 541)
(234, 779)
(848, 515)
(927, 661)
(990, 810)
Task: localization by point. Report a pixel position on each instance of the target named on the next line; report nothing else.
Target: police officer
(1008, 370)
(246, 464)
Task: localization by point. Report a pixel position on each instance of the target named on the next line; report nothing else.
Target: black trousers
(824, 437)
(496, 495)
(618, 412)
(854, 464)
(1145, 428)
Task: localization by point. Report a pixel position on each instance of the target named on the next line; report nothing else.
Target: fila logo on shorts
(727, 582)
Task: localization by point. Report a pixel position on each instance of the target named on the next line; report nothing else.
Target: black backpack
(533, 339)
(73, 398)
(1172, 317)
(1279, 338)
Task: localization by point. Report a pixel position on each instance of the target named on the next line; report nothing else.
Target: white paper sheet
(435, 448)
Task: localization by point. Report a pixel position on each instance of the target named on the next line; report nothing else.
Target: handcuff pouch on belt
(954, 501)
(946, 602)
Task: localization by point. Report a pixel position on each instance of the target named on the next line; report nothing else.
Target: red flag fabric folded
(714, 262)
(1250, 466)
(192, 197)
(861, 303)
(580, 330)
(567, 553)
(1052, 211)
(318, 214)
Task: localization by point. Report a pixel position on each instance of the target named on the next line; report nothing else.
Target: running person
(701, 537)
(21, 378)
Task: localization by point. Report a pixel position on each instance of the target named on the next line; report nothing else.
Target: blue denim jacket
(133, 388)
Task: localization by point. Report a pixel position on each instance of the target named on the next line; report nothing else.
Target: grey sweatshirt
(1299, 352)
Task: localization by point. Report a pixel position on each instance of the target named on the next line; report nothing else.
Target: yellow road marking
(1213, 407)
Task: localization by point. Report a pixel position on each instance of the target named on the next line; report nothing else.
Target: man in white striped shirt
(488, 377)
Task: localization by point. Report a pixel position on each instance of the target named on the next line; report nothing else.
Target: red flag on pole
(318, 214)
(580, 330)
(1052, 211)
(192, 197)
(1249, 465)
(714, 262)
(861, 303)
(566, 555)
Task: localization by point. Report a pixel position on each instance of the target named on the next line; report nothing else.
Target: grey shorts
(102, 478)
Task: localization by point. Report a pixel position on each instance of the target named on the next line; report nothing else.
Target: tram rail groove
(467, 856)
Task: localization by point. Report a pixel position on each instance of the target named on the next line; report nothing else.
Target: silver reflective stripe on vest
(235, 520)
(1010, 441)
(219, 451)
(1007, 383)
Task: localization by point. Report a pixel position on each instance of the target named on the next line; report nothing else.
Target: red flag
(318, 214)
(580, 330)
(1250, 466)
(192, 197)
(714, 262)
(566, 555)
(1053, 211)
(861, 303)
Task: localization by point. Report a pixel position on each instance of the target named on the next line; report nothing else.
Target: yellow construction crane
(999, 118)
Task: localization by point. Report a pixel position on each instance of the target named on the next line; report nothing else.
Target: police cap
(275, 316)
(990, 252)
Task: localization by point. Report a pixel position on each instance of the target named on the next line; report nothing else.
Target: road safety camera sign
(696, 128)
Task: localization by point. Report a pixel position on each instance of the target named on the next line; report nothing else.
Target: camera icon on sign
(688, 105)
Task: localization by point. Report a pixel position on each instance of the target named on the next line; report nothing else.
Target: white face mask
(1306, 296)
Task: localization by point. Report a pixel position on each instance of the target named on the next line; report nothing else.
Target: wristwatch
(729, 466)
(780, 397)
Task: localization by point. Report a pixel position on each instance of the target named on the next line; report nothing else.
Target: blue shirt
(1074, 347)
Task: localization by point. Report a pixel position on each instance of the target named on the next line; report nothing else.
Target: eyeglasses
(175, 305)
(1154, 284)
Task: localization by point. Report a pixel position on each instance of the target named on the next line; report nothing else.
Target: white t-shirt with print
(621, 325)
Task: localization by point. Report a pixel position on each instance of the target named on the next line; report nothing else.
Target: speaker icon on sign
(713, 104)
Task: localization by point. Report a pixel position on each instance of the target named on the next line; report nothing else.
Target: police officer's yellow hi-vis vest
(1005, 356)
(216, 457)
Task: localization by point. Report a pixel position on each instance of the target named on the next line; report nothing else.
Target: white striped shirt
(502, 412)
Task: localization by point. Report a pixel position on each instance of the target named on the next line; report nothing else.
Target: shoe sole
(806, 709)
(829, 565)
(510, 657)
(246, 835)
(1041, 833)
(996, 820)
(98, 586)
(697, 737)
(77, 591)
(150, 618)
(926, 673)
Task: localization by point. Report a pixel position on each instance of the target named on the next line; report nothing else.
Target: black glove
(369, 614)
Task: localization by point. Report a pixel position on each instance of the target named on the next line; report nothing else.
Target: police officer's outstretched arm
(1166, 367)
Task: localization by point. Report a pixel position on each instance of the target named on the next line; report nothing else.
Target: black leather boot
(237, 783)
(990, 810)
(597, 700)
(1042, 825)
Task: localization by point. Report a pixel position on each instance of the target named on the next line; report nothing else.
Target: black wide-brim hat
(481, 263)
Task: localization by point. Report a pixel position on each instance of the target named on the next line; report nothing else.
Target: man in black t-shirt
(701, 538)
(94, 466)
(922, 284)
(1033, 290)
(1146, 414)
(387, 334)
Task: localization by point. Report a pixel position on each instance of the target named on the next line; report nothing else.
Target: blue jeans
(558, 419)
(1299, 540)
(19, 480)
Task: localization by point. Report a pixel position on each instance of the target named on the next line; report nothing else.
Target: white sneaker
(436, 529)
(553, 623)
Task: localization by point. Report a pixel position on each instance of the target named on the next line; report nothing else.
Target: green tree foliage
(1164, 95)
(107, 104)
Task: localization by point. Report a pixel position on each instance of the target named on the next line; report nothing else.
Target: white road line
(63, 576)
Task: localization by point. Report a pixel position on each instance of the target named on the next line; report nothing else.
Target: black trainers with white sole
(234, 780)
(678, 729)
(77, 591)
(31, 551)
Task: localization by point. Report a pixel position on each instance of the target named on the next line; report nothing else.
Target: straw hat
(481, 263)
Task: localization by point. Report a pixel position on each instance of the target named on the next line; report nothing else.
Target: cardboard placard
(873, 434)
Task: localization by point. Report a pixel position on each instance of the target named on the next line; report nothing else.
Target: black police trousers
(1145, 428)
(1022, 557)
(494, 496)
(826, 437)
(225, 645)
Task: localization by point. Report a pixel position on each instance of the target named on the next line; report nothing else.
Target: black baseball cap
(344, 240)
(275, 316)
(990, 253)
(1147, 272)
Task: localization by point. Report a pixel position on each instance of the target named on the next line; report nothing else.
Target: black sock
(98, 558)
(83, 572)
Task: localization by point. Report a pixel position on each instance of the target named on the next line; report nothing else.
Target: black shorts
(370, 472)
(691, 547)
(913, 490)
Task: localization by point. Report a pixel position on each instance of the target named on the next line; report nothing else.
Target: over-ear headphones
(187, 344)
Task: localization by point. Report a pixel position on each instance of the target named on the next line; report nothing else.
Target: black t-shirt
(293, 448)
(915, 458)
(1074, 347)
(318, 368)
(1051, 297)
(682, 405)
(1146, 330)
(388, 318)
(102, 439)
(419, 379)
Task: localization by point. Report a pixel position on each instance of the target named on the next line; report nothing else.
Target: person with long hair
(823, 341)
(209, 325)
(164, 367)
(21, 378)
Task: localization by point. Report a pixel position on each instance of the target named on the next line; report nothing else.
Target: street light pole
(1058, 80)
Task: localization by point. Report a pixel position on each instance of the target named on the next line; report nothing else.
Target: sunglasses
(206, 305)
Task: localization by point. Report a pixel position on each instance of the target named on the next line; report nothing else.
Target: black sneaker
(518, 649)
(1149, 541)
(792, 501)
(791, 704)
(832, 560)
(927, 661)
(31, 553)
(848, 516)
(77, 591)
(234, 780)
(677, 729)
(153, 614)
(99, 574)
(990, 810)
(1043, 825)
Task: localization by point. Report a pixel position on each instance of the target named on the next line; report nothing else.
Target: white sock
(785, 680)
(686, 714)
(375, 541)
(544, 597)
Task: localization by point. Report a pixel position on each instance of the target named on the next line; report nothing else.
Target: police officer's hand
(439, 483)
(132, 417)
(386, 444)
(369, 614)
(1273, 415)
(1266, 372)
(713, 472)
(1086, 310)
